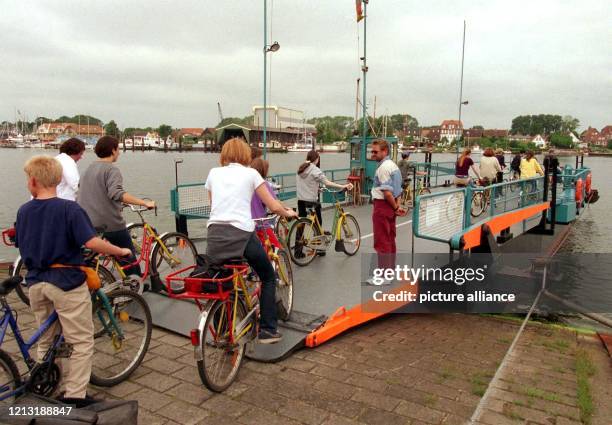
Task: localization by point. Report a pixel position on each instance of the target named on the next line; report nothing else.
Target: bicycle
(407, 198)
(116, 325)
(307, 237)
(280, 263)
(480, 199)
(228, 320)
(160, 254)
(281, 229)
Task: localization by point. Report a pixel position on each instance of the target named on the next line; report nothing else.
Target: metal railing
(191, 200)
(287, 181)
(441, 216)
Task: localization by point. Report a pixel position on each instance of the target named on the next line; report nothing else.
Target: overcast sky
(143, 63)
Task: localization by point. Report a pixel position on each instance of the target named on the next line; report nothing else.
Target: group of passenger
(491, 168)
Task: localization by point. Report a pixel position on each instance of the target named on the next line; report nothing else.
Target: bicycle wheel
(10, 380)
(281, 229)
(181, 253)
(136, 231)
(478, 204)
(282, 266)
(350, 234)
(105, 275)
(117, 356)
(21, 290)
(222, 349)
(303, 242)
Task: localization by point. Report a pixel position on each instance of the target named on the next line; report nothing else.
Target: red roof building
(451, 130)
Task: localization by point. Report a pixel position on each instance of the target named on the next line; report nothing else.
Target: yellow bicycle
(306, 237)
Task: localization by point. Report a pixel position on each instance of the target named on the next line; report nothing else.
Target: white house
(539, 141)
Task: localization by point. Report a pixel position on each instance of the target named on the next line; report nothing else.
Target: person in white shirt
(71, 151)
(489, 167)
(231, 230)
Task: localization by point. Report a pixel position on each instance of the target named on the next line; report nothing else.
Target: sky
(147, 62)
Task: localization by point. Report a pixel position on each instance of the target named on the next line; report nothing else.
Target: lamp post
(461, 102)
(267, 48)
(465, 102)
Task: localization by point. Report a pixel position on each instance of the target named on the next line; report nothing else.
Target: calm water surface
(151, 174)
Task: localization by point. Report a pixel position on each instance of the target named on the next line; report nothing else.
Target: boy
(50, 231)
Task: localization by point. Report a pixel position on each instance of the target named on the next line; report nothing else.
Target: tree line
(544, 124)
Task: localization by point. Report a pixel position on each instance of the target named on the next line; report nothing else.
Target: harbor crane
(220, 112)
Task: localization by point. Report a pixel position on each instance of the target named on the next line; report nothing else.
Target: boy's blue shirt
(53, 231)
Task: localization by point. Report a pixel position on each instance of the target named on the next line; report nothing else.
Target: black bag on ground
(103, 412)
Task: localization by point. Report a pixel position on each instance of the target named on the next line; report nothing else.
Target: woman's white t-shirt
(232, 189)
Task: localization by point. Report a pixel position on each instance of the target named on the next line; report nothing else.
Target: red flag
(359, 10)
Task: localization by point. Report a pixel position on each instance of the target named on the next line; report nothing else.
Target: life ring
(587, 184)
(579, 191)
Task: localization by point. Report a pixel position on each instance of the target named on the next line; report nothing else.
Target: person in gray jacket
(102, 196)
(309, 179)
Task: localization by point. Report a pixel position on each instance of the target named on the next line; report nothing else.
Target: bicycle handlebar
(8, 236)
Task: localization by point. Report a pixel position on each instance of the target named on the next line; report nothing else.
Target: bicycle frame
(149, 239)
(239, 286)
(8, 319)
(339, 215)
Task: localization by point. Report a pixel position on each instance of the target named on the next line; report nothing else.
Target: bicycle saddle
(9, 284)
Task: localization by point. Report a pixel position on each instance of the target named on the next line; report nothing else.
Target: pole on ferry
(364, 69)
(461, 90)
(265, 52)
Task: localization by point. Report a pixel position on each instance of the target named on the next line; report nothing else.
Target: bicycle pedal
(64, 350)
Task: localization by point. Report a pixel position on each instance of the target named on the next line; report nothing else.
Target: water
(151, 174)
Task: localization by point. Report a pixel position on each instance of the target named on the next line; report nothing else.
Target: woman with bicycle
(102, 196)
(462, 169)
(530, 167)
(489, 167)
(231, 228)
(258, 208)
(309, 178)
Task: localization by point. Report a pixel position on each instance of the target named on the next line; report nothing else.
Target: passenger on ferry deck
(231, 228)
(71, 151)
(462, 168)
(102, 196)
(489, 167)
(309, 178)
(385, 193)
(530, 166)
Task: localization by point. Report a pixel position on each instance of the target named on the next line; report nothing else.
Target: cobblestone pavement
(403, 369)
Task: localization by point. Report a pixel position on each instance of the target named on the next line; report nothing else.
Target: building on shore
(48, 132)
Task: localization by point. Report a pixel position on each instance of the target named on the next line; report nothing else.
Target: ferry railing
(440, 216)
(286, 182)
(438, 173)
(189, 201)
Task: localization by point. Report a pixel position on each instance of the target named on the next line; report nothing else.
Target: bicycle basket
(208, 278)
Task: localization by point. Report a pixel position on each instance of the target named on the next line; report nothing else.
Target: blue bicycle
(122, 333)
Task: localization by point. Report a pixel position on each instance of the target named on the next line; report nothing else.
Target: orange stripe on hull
(472, 238)
(344, 319)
